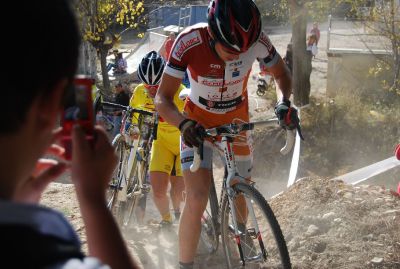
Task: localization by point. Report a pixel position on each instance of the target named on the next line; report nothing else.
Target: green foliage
(383, 19)
(274, 11)
(348, 132)
(278, 10)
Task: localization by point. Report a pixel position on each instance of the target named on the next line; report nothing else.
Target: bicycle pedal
(146, 188)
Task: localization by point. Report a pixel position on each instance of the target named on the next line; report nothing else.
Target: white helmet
(151, 68)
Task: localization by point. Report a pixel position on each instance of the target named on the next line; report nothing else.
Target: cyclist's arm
(273, 63)
(134, 102)
(283, 79)
(164, 100)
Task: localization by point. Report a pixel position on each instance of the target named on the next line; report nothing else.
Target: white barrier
(369, 171)
(152, 41)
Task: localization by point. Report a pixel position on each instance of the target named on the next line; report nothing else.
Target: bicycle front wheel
(116, 192)
(209, 235)
(137, 193)
(251, 235)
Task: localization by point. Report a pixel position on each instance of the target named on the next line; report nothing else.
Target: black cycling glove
(192, 133)
(287, 116)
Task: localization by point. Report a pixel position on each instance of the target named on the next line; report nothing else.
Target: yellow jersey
(141, 100)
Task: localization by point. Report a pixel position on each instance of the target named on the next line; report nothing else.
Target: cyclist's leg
(197, 186)
(161, 163)
(244, 162)
(159, 183)
(177, 187)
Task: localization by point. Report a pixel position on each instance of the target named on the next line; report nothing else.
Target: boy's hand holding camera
(92, 158)
(45, 171)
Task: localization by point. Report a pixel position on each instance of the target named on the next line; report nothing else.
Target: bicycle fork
(232, 174)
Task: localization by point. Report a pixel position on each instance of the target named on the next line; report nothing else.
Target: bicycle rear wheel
(259, 242)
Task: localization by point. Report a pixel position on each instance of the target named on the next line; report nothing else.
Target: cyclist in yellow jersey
(165, 151)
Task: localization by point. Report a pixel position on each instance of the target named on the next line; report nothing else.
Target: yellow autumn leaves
(111, 12)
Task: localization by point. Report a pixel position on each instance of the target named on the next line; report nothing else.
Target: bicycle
(128, 186)
(261, 241)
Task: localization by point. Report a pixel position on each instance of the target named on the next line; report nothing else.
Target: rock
(314, 256)
(288, 237)
(320, 247)
(377, 260)
(376, 192)
(328, 215)
(391, 211)
(339, 191)
(348, 195)
(337, 220)
(353, 259)
(368, 237)
(312, 230)
(293, 245)
(382, 237)
(364, 192)
(378, 200)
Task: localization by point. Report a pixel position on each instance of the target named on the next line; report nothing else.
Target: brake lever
(298, 127)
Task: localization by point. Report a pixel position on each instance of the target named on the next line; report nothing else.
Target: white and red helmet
(236, 24)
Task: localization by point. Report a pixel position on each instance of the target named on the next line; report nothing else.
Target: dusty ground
(326, 224)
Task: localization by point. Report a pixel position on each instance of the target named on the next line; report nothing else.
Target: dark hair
(46, 51)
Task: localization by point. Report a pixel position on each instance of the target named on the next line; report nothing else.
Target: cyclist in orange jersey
(218, 57)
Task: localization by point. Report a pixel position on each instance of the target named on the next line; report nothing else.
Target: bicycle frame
(130, 153)
(232, 176)
(133, 146)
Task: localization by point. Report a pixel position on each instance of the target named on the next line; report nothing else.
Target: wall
(169, 15)
(349, 69)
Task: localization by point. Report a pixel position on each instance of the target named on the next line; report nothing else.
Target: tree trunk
(396, 66)
(104, 73)
(395, 46)
(87, 60)
(301, 57)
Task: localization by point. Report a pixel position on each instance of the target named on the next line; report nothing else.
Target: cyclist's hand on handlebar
(288, 116)
(192, 133)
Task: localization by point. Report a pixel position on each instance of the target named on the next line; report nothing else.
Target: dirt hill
(327, 224)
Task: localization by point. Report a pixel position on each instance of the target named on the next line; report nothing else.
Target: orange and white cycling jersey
(218, 89)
